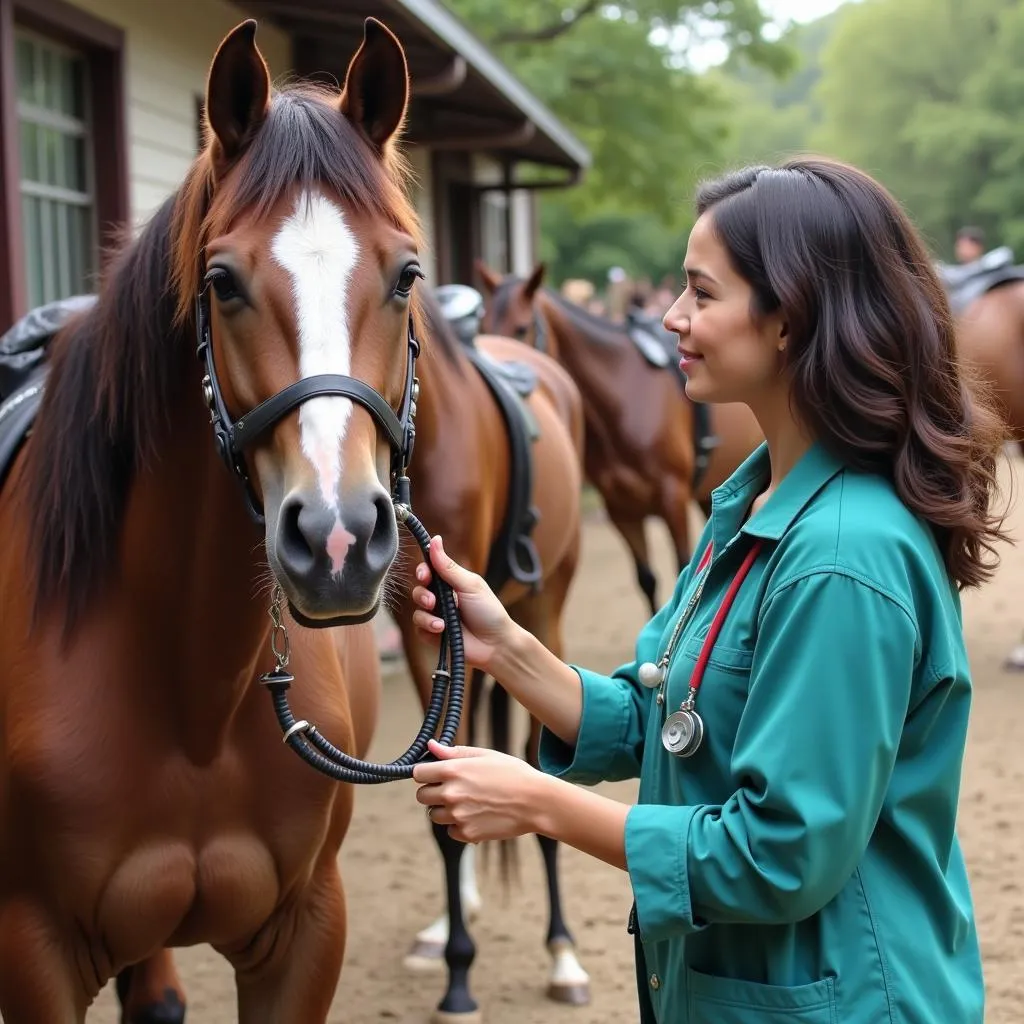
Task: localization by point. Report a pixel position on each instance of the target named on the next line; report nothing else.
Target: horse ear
(237, 92)
(534, 281)
(376, 93)
(490, 279)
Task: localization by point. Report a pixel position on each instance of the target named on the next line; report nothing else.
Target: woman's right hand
(486, 626)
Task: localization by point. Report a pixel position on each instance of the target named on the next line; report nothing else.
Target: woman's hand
(486, 626)
(480, 794)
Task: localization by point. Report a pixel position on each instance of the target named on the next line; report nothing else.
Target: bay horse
(990, 337)
(641, 430)
(462, 480)
(146, 798)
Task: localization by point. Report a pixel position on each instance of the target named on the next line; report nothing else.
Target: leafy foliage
(924, 94)
(614, 75)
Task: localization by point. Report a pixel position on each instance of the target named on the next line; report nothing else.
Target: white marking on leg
(427, 951)
(1015, 659)
(320, 252)
(566, 970)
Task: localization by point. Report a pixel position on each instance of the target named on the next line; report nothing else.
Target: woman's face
(727, 355)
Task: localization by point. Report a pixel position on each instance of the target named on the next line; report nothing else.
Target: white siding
(487, 171)
(168, 49)
(523, 256)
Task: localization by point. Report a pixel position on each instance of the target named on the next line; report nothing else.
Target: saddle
(658, 346)
(513, 554)
(970, 281)
(23, 371)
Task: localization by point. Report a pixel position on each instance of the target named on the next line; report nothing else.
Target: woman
(793, 853)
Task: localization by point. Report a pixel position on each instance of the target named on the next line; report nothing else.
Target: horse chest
(169, 852)
(177, 893)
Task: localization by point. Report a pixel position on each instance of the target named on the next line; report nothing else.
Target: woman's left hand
(480, 794)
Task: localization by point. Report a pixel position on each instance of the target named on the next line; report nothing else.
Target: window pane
(29, 145)
(76, 244)
(50, 70)
(33, 250)
(25, 60)
(52, 170)
(76, 83)
(74, 163)
(48, 239)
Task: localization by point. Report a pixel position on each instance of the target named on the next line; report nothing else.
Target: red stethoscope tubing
(697, 677)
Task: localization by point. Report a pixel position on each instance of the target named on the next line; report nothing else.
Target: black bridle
(232, 438)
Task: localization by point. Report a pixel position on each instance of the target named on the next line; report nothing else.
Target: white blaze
(320, 252)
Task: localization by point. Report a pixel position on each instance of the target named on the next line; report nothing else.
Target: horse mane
(438, 330)
(118, 374)
(610, 333)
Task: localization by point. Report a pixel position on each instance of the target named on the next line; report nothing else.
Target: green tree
(924, 95)
(613, 75)
(770, 116)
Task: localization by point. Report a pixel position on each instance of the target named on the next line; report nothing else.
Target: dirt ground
(392, 869)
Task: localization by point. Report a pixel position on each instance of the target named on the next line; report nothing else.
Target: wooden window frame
(102, 45)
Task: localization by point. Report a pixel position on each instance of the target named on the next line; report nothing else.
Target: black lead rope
(446, 697)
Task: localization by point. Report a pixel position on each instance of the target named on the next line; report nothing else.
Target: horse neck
(441, 410)
(190, 561)
(597, 369)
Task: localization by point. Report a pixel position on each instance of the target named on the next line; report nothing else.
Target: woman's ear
(783, 335)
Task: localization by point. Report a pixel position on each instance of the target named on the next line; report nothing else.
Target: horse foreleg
(632, 531)
(151, 992)
(427, 952)
(568, 982)
(676, 496)
(41, 980)
(289, 971)
(457, 1006)
(426, 955)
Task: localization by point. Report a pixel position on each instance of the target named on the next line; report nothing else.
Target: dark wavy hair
(872, 343)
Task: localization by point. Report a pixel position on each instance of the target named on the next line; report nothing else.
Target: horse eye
(521, 331)
(407, 279)
(223, 284)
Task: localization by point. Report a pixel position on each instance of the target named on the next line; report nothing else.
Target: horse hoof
(1015, 660)
(170, 1010)
(569, 995)
(424, 958)
(444, 1017)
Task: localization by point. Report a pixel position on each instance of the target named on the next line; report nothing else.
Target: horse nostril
(293, 546)
(380, 548)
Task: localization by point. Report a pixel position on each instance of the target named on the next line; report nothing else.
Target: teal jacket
(803, 866)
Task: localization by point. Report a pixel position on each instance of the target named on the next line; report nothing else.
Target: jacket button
(655, 983)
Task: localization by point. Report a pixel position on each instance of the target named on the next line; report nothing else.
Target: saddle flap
(520, 377)
(964, 291)
(653, 342)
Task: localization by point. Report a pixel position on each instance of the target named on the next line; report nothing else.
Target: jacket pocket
(714, 1000)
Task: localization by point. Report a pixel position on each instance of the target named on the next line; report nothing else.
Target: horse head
(297, 255)
(511, 310)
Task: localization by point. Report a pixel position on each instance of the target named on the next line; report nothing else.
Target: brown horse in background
(990, 334)
(146, 798)
(640, 450)
(461, 481)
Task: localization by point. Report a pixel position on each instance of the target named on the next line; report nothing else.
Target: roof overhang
(463, 97)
